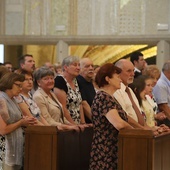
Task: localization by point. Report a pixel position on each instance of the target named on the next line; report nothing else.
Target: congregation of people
(77, 94)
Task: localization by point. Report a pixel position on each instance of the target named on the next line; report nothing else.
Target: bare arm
(82, 119)
(61, 95)
(133, 123)
(26, 112)
(86, 109)
(8, 128)
(114, 118)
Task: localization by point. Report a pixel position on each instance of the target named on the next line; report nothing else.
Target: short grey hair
(69, 60)
(40, 73)
(166, 66)
(120, 63)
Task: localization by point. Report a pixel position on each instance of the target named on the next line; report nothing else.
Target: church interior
(104, 31)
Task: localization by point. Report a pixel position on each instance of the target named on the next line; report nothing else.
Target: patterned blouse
(73, 97)
(34, 109)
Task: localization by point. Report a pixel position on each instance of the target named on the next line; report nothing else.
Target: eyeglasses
(19, 85)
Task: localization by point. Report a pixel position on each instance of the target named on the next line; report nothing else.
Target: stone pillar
(2, 17)
(62, 51)
(163, 53)
(12, 54)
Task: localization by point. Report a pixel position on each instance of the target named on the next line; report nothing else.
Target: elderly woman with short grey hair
(51, 109)
(67, 90)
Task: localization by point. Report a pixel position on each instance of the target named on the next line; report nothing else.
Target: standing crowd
(77, 94)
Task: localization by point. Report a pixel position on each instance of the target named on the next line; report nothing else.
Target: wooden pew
(46, 148)
(141, 150)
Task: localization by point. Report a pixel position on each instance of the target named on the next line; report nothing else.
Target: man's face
(29, 64)
(9, 67)
(127, 74)
(87, 70)
(140, 64)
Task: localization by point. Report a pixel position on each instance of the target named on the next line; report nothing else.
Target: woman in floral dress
(108, 118)
(67, 90)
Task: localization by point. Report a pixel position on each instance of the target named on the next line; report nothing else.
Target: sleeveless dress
(73, 100)
(14, 142)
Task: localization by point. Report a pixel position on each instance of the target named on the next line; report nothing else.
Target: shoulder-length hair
(106, 70)
(139, 85)
(7, 81)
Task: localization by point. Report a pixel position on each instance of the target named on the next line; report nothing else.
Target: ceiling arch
(101, 54)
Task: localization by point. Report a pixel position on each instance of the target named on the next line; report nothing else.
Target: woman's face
(148, 86)
(115, 81)
(16, 88)
(28, 83)
(46, 83)
(73, 69)
(155, 77)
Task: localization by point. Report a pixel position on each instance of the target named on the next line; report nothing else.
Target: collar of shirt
(137, 70)
(123, 87)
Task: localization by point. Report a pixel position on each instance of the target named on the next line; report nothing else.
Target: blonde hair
(152, 71)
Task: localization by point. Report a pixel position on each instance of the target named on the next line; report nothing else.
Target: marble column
(163, 53)
(2, 17)
(62, 50)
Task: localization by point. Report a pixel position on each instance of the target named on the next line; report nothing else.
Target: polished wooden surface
(141, 150)
(46, 148)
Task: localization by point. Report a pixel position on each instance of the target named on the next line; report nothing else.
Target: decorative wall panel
(85, 17)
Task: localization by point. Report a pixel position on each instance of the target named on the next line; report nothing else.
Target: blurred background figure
(8, 65)
(153, 72)
(139, 63)
(3, 70)
(51, 66)
(96, 69)
(161, 91)
(58, 69)
(27, 63)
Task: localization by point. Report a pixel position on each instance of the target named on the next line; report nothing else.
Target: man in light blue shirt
(161, 91)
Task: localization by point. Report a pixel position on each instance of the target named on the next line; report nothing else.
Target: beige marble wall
(76, 21)
(41, 53)
(84, 17)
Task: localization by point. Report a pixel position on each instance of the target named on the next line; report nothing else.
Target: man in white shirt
(127, 77)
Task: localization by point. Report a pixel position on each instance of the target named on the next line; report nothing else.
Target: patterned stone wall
(84, 17)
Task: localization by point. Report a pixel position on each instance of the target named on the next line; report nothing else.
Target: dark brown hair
(3, 71)
(106, 70)
(7, 81)
(139, 85)
(24, 72)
